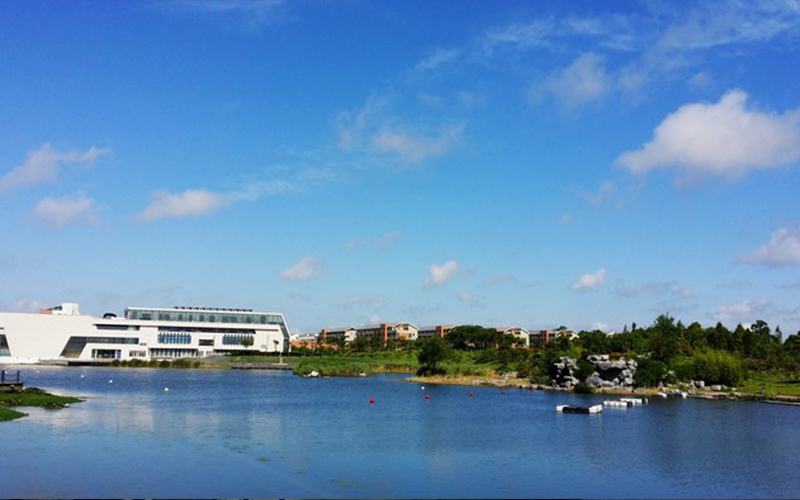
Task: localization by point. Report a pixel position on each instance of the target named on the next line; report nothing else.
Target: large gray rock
(608, 373)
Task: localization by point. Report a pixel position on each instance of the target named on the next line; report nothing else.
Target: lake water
(257, 434)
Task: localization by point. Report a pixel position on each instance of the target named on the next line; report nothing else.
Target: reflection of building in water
(62, 333)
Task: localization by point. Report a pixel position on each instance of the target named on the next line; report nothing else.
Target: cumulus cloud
(727, 138)
(190, 203)
(585, 80)
(782, 249)
(43, 165)
(306, 269)
(66, 209)
(439, 275)
(590, 281)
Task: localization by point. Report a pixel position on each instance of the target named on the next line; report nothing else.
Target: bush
(684, 369)
(584, 388)
(649, 372)
(719, 367)
(585, 369)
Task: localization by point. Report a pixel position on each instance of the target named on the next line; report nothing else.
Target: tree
(434, 351)
(664, 339)
(247, 342)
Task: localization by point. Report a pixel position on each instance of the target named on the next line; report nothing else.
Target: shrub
(684, 369)
(584, 388)
(719, 367)
(649, 372)
(585, 369)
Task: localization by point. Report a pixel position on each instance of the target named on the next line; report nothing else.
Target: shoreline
(517, 383)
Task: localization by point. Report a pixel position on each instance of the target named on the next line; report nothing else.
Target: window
(106, 353)
(206, 342)
(4, 350)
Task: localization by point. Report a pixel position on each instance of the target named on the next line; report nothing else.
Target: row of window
(106, 353)
(174, 338)
(204, 317)
(173, 353)
(235, 339)
(182, 329)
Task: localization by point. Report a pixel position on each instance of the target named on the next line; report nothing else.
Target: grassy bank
(354, 364)
(30, 397)
(774, 384)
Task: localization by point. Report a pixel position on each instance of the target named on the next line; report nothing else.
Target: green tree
(664, 339)
(433, 352)
(247, 342)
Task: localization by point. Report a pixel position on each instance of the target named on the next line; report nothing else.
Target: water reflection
(257, 434)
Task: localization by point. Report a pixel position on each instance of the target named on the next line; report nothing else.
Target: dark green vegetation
(153, 363)
(667, 352)
(31, 397)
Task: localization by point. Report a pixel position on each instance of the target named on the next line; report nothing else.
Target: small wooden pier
(10, 382)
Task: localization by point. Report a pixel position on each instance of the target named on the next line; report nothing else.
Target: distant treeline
(667, 351)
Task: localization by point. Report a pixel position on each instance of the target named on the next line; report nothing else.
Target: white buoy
(422, 388)
(166, 389)
(110, 381)
(81, 376)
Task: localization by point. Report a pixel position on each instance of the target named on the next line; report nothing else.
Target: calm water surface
(256, 434)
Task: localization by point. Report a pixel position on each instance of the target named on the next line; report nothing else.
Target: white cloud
(471, 299)
(413, 147)
(28, 306)
(439, 275)
(366, 300)
(251, 13)
(725, 138)
(434, 61)
(190, 203)
(742, 312)
(43, 165)
(498, 279)
(782, 249)
(656, 288)
(463, 296)
(590, 281)
(372, 129)
(613, 193)
(585, 80)
(306, 269)
(65, 209)
(389, 237)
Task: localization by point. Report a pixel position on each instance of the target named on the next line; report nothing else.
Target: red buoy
(471, 394)
(502, 392)
(372, 401)
(427, 396)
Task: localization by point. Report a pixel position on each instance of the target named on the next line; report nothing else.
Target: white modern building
(61, 333)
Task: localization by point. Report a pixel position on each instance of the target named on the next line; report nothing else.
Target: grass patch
(31, 397)
(774, 384)
(7, 414)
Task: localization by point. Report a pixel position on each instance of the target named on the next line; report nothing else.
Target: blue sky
(589, 164)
